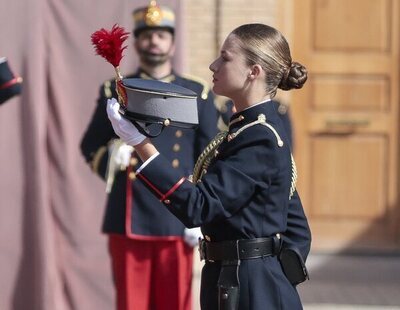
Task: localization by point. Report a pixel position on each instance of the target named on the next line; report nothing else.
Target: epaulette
(206, 88)
(107, 89)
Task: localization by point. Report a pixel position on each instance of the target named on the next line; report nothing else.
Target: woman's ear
(255, 72)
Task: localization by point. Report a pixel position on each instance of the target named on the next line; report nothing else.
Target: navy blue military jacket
(145, 216)
(245, 192)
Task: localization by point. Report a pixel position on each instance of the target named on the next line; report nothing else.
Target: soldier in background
(151, 250)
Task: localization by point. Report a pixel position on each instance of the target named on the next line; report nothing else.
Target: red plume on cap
(108, 44)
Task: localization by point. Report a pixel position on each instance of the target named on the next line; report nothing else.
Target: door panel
(346, 120)
(351, 25)
(349, 93)
(332, 197)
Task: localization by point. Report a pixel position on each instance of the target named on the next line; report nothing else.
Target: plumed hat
(155, 102)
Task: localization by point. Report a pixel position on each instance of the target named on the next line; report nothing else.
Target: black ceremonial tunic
(244, 195)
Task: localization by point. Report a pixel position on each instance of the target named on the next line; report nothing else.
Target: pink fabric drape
(52, 254)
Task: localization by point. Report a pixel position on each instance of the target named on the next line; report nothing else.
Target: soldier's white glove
(123, 128)
(191, 236)
(121, 154)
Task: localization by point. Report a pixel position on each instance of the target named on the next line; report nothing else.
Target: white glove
(191, 236)
(121, 154)
(123, 128)
(119, 157)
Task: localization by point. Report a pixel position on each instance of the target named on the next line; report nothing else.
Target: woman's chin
(216, 90)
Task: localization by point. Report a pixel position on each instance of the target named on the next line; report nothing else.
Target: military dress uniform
(133, 213)
(245, 196)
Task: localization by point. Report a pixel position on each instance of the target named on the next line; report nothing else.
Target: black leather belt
(239, 249)
(230, 253)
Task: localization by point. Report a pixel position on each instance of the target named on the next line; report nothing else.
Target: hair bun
(295, 78)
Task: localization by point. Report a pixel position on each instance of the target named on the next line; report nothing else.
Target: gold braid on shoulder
(294, 178)
(206, 156)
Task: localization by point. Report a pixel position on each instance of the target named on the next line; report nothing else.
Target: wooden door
(346, 121)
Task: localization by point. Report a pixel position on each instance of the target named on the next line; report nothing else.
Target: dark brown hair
(267, 47)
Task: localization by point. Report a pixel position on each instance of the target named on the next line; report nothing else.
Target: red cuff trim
(11, 83)
(173, 189)
(141, 176)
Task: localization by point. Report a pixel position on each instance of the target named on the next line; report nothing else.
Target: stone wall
(208, 23)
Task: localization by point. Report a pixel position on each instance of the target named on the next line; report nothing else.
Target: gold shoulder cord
(294, 178)
(261, 119)
(206, 156)
(209, 152)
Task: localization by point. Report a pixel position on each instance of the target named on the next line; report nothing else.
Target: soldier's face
(230, 70)
(155, 46)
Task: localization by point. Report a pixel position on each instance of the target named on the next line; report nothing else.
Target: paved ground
(352, 282)
(347, 282)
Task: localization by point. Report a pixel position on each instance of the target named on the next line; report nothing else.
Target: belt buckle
(202, 249)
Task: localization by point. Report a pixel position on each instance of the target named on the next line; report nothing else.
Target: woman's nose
(212, 66)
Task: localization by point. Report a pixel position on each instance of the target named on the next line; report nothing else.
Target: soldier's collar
(168, 78)
(236, 119)
(247, 115)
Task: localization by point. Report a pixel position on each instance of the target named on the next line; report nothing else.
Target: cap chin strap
(145, 131)
(141, 122)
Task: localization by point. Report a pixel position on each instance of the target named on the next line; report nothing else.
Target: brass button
(134, 161)
(132, 176)
(167, 201)
(176, 147)
(175, 163)
(178, 133)
(207, 238)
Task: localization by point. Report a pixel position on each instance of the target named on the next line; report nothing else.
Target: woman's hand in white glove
(122, 127)
(191, 236)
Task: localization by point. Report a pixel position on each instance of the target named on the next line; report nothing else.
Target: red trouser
(151, 275)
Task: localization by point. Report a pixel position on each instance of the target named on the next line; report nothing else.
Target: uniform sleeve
(232, 179)
(298, 232)
(208, 119)
(97, 136)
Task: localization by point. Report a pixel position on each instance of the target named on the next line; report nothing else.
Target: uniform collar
(250, 114)
(168, 78)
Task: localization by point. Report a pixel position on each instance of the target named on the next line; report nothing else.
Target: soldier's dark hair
(267, 47)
